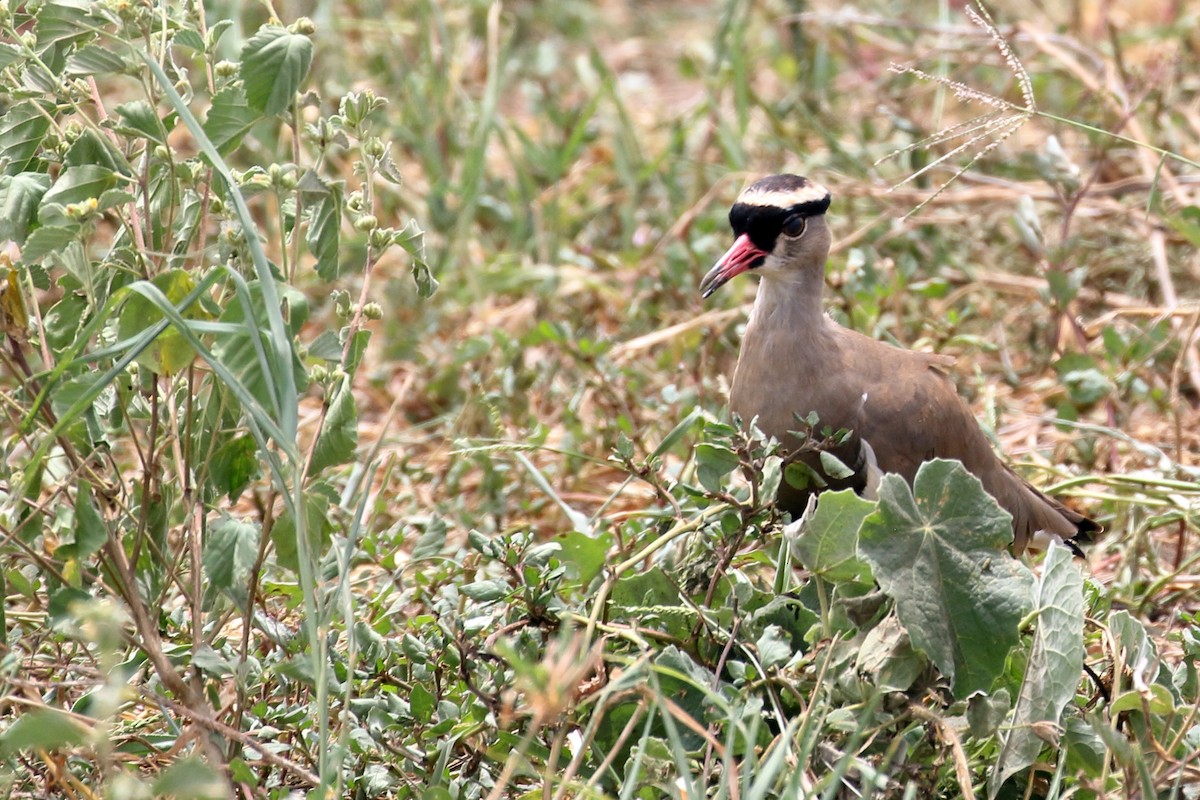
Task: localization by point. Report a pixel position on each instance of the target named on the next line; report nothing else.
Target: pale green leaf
(1053, 670)
(338, 438)
(275, 62)
(828, 544)
(941, 556)
(230, 550)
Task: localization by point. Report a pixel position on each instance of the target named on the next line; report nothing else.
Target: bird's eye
(794, 226)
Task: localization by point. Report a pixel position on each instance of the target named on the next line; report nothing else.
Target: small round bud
(318, 373)
(374, 147)
(367, 222)
(305, 26)
(381, 238)
(372, 311)
(227, 69)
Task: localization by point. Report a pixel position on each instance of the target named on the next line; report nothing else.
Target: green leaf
(338, 438)
(230, 550)
(275, 62)
(887, 657)
(233, 465)
(170, 351)
(140, 119)
(20, 196)
(774, 647)
(832, 466)
(828, 544)
(44, 729)
(229, 119)
(486, 591)
(76, 184)
(714, 462)
(325, 232)
(90, 531)
(1156, 699)
(22, 128)
(317, 524)
(190, 778)
(422, 703)
(941, 556)
(412, 239)
(677, 433)
(787, 612)
(431, 541)
(10, 54)
(584, 555)
(94, 59)
(1053, 670)
(1187, 224)
(49, 240)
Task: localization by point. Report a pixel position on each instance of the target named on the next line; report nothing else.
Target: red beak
(743, 255)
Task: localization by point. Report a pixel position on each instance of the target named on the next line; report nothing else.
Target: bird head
(778, 227)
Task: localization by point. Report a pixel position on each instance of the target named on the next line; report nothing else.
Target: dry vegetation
(518, 579)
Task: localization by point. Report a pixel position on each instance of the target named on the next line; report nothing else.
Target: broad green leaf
(412, 239)
(431, 540)
(42, 729)
(170, 352)
(64, 20)
(584, 555)
(229, 119)
(1053, 670)
(684, 681)
(230, 550)
(1156, 699)
(275, 62)
(714, 462)
(941, 556)
(189, 778)
(774, 647)
(107, 59)
(93, 149)
(1137, 648)
(208, 660)
(317, 524)
(833, 466)
(10, 54)
(339, 434)
(828, 544)
(22, 128)
(487, 591)
(20, 196)
(787, 612)
(1187, 223)
(422, 703)
(90, 531)
(139, 118)
(233, 465)
(887, 658)
(191, 39)
(77, 184)
(239, 349)
(325, 232)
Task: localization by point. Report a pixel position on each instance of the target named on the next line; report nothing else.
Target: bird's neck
(790, 301)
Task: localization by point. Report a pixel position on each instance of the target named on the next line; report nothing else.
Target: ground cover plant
(365, 434)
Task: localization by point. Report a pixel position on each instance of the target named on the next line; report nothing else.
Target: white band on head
(810, 193)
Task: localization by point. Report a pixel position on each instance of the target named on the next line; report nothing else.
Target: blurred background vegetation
(531, 426)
